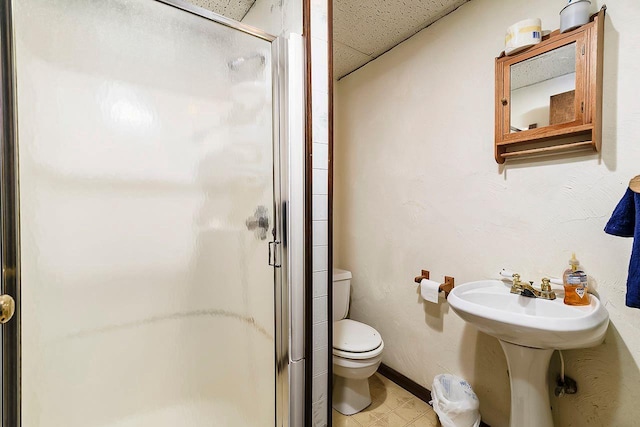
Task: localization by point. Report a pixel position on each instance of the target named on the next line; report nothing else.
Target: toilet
(357, 351)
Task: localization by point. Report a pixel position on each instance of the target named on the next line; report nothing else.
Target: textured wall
(417, 187)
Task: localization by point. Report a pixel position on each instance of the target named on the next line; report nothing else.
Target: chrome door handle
(259, 222)
(273, 254)
(7, 308)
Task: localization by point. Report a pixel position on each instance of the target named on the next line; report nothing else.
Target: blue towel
(625, 222)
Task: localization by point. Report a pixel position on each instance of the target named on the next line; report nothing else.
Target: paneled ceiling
(362, 29)
(365, 29)
(234, 9)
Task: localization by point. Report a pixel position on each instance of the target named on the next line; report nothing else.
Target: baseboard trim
(408, 384)
(405, 382)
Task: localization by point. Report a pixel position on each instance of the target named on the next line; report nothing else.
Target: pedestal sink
(529, 330)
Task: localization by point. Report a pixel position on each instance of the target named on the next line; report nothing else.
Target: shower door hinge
(274, 250)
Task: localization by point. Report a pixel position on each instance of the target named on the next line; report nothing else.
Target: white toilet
(357, 351)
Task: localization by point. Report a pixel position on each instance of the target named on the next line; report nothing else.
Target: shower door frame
(10, 213)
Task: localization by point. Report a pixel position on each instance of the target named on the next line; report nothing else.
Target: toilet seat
(355, 340)
(358, 356)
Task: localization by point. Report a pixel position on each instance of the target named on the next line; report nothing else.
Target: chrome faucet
(527, 289)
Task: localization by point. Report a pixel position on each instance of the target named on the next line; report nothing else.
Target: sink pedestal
(529, 329)
(528, 367)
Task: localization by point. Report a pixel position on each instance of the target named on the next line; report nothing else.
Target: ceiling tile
(375, 26)
(234, 9)
(347, 59)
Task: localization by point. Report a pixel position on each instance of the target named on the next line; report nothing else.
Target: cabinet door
(544, 91)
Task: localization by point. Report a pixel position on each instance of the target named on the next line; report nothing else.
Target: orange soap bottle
(575, 284)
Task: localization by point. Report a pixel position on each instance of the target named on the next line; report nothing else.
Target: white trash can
(455, 402)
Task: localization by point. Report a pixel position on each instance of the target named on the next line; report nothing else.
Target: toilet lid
(355, 337)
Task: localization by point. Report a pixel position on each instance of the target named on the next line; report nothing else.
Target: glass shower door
(146, 205)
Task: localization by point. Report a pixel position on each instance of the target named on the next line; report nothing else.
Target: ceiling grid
(234, 9)
(364, 30)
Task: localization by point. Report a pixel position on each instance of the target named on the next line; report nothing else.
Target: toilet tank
(341, 291)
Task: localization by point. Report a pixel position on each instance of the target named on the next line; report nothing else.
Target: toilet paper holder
(445, 287)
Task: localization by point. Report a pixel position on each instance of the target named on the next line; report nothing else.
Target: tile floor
(392, 406)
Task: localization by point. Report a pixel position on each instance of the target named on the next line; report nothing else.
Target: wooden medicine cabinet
(549, 97)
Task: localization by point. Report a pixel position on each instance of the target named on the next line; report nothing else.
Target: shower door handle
(274, 260)
(7, 308)
(259, 222)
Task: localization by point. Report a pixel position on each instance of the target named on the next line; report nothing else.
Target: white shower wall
(145, 299)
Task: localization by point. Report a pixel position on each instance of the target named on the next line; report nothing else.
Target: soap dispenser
(575, 284)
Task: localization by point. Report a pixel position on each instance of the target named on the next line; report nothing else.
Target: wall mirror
(543, 89)
(548, 97)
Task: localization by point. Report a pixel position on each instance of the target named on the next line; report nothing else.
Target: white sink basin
(529, 330)
(530, 322)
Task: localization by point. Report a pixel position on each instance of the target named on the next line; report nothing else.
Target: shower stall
(144, 186)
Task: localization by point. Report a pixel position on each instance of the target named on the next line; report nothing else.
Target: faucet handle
(516, 278)
(546, 286)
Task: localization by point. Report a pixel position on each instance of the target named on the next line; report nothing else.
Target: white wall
(417, 187)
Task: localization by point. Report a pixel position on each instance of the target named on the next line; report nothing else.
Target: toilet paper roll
(429, 290)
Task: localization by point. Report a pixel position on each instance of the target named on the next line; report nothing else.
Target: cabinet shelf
(571, 146)
(546, 134)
